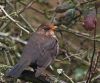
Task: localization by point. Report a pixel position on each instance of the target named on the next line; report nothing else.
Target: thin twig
(11, 58)
(16, 22)
(22, 17)
(12, 38)
(90, 72)
(18, 40)
(6, 58)
(68, 77)
(5, 24)
(92, 65)
(39, 11)
(82, 60)
(96, 61)
(3, 66)
(78, 33)
(27, 6)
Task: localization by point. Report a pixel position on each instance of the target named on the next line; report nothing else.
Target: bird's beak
(54, 28)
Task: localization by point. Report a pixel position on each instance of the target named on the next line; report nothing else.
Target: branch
(68, 77)
(29, 76)
(36, 10)
(21, 16)
(16, 22)
(13, 38)
(78, 33)
(27, 6)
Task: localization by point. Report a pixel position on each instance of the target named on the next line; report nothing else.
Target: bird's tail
(16, 71)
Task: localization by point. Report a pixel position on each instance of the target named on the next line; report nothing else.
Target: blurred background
(19, 18)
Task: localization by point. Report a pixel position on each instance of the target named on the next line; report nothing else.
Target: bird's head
(47, 29)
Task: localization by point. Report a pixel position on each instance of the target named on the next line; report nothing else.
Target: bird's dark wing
(49, 49)
(29, 55)
(31, 50)
(40, 50)
(48, 52)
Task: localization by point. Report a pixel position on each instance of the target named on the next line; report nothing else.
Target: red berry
(90, 22)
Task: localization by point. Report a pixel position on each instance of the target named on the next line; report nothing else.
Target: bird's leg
(39, 70)
(47, 76)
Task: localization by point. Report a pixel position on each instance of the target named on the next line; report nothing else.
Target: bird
(40, 51)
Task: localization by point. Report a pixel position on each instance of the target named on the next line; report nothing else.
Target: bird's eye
(46, 28)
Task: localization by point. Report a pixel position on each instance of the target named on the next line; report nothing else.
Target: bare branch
(16, 22)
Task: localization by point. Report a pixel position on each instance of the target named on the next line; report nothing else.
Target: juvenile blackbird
(39, 52)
